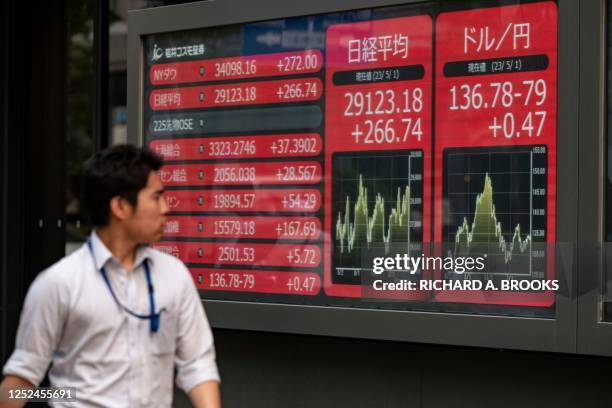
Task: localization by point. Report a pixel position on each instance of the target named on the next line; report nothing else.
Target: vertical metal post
(3, 133)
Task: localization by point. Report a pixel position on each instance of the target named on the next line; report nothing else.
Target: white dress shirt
(71, 320)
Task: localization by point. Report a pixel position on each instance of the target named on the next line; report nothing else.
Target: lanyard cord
(154, 317)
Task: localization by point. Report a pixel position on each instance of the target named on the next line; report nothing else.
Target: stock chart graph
(377, 209)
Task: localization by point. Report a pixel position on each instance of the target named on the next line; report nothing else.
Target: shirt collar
(102, 254)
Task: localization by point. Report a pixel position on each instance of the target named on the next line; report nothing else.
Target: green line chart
(377, 209)
(365, 228)
(486, 228)
(496, 205)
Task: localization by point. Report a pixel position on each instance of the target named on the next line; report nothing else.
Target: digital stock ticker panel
(298, 150)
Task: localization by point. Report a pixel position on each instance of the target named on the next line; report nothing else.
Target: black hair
(121, 170)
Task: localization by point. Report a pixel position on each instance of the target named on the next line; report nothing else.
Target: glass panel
(117, 68)
(301, 165)
(79, 128)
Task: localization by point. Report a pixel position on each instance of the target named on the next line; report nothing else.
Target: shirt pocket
(164, 340)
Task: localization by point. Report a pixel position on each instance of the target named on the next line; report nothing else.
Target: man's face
(146, 223)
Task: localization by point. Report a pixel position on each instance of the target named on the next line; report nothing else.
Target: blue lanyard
(153, 316)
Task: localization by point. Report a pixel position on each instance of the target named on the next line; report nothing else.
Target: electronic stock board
(297, 149)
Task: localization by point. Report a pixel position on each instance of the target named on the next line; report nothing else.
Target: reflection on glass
(117, 62)
(300, 150)
(80, 95)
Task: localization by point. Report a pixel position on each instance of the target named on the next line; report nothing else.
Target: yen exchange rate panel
(496, 132)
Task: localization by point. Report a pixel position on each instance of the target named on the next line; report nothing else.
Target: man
(116, 317)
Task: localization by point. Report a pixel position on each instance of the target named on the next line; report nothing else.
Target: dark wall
(289, 371)
(14, 125)
(32, 126)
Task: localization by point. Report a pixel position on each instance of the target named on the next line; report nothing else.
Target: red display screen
(299, 150)
(496, 133)
(378, 92)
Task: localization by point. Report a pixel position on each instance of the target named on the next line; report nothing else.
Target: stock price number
(387, 131)
(234, 227)
(297, 63)
(369, 106)
(296, 173)
(232, 148)
(302, 256)
(235, 95)
(299, 201)
(233, 200)
(235, 254)
(235, 68)
(496, 94)
(299, 284)
(513, 125)
(293, 229)
(234, 174)
(297, 90)
(232, 280)
(383, 102)
(292, 146)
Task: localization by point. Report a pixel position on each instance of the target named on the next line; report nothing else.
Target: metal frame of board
(525, 333)
(594, 334)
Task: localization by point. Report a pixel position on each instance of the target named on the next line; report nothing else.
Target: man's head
(120, 187)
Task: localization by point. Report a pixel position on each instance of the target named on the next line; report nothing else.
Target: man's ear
(120, 208)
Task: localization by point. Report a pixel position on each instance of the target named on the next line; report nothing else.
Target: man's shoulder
(76, 258)
(72, 265)
(63, 273)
